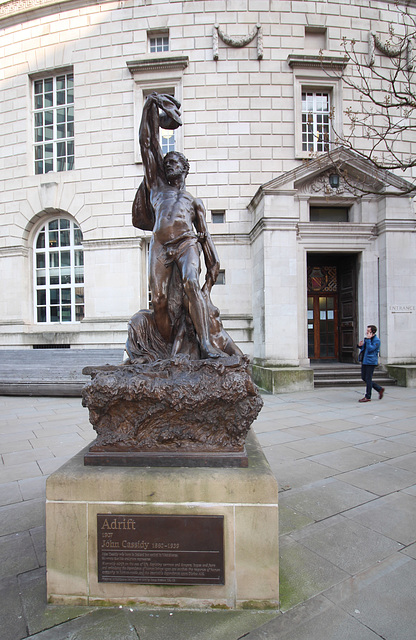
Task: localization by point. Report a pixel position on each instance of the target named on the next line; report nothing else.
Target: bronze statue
(183, 320)
(185, 396)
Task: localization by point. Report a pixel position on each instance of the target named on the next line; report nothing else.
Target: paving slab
(393, 516)
(407, 462)
(346, 459)
(12, 618)
(33, 488)
(384, 447)
(346, 543)
(410, 550)
(22, 516)
(17, 554)
(316, 445)
(292, 473)
(330, 624)
(383, 598)
(324, 498)
(380, 479)
(304, 573)
(10, 493)
(39, 614)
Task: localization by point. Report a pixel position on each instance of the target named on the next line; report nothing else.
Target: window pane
(65, 238)
(41, 315)
(60, 97)
(55, 296)
(66, 314)
(40, 242)
(41, 297)
(40, 260)
(79, 312)
(65, 258)
(48, 100)
(61, 164)
(66, 296)
(54, 314)
(53, 241)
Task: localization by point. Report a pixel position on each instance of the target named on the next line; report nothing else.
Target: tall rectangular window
(315, 121)
(53, 121)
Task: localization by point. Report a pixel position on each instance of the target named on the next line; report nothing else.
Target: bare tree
(381, 117)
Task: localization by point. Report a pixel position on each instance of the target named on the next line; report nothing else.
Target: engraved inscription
(154, 549)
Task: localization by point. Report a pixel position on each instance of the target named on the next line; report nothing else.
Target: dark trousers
(367, 371)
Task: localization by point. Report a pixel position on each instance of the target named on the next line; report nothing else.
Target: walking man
(369, 350)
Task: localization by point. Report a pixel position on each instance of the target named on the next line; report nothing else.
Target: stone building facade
(305, 265)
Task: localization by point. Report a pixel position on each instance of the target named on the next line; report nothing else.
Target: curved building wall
(242, 130)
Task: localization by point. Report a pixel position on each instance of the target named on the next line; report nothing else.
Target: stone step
(347, 376)
(50, 372)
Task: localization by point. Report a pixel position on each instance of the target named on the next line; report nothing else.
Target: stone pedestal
(246, 498)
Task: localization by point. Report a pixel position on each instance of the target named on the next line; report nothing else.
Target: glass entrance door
(322, 326)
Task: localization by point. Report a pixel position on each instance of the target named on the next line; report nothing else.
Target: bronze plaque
(149, 549)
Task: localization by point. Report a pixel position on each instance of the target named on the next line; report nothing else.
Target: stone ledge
(283, 379)
(405, 374)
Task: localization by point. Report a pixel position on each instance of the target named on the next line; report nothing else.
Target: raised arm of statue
(149, 142)
(158, 110)
(152, 155)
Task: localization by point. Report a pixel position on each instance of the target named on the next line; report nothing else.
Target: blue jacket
(372, 347)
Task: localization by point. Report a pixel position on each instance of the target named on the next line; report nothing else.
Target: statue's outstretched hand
(171, 117)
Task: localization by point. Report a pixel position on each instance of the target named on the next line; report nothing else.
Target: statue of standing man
(183, 319)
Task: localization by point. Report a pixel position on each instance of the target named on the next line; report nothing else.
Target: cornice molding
(14, 251)
(401, 226)
(272, 224)
(111, 243)
(312, 61)
(11, 9)
(161, 63)
(342, 233)
(230, 238)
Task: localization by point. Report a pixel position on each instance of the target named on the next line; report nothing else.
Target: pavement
(347, 478)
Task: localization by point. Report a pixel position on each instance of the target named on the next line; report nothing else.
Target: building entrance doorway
(331, 310)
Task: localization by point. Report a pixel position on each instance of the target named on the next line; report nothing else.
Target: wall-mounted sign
(402, 308)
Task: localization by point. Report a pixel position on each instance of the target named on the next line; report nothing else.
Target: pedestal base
(164, 459)
(247, 499)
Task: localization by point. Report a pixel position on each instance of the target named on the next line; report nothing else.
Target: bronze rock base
(198, 410)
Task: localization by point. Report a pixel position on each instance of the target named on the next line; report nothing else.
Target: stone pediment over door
(357, 177)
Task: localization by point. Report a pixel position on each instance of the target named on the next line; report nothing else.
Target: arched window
(59, 272)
